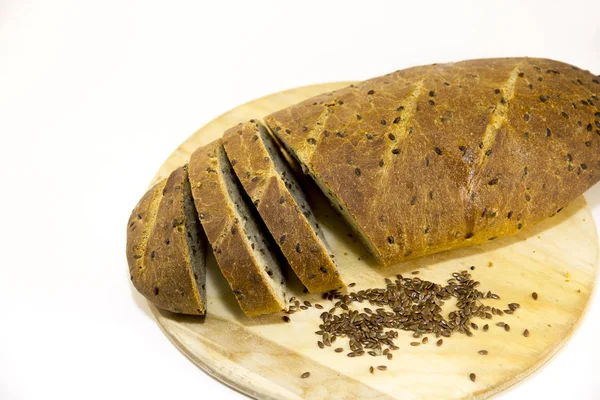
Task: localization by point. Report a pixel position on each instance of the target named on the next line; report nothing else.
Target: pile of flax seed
(409, 304)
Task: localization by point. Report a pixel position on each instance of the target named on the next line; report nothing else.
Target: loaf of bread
(166, 247)
(281, 203)
(449, 155)
(418, 161)
(240, 247)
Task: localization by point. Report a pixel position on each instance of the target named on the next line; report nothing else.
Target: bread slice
(443, 156)
(166, 247)
(240, 247)
(271, 185)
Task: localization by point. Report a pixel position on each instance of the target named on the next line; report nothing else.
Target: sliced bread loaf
(165, 247)
(240, 248)
(271, 185)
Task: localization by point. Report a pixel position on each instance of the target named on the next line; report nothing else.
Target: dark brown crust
(139, 225)
(283, 217)
(161, 269)
(230, 245)
(445, 156)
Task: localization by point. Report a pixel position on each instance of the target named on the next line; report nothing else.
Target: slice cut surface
(241, 248)
(167, 255)
(269, 182)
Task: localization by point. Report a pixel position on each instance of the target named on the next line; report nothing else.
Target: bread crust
(443, 156)
(140, 223)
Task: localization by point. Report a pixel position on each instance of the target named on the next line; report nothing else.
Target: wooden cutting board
(265, 357)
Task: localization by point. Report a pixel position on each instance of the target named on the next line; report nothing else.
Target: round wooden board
(264, 357)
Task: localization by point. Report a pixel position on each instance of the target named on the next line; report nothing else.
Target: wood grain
(265, 357)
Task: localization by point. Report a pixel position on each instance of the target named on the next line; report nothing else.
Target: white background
(95, 95)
